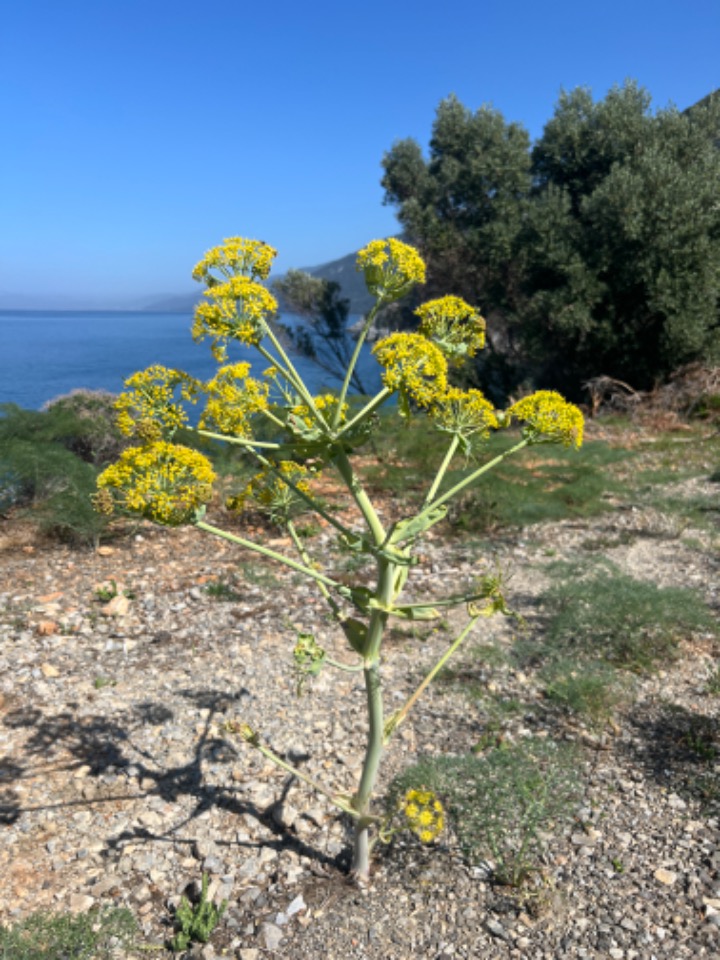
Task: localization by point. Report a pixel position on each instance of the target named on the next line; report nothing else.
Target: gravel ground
(120, 785)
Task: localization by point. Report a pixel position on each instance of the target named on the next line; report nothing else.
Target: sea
(45, 354)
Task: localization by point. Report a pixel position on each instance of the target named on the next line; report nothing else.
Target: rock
(497, 930)
(296, 906)
(666, 877)
(117, 607)
(48, 670)
(271, 936)
(81, 902)
(46, 628)
(249, 953)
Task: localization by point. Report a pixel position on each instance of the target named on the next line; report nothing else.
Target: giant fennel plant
(171, 484)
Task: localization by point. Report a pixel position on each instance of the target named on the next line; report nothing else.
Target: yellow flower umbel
(149, 409)
(391, 268)
(414, 367)
(424, 814)
(164, 482)
(233, 398)
(236, 256)
(271, 494)
(455, 326)
(548, 417)
(467, 415)
(238, 309)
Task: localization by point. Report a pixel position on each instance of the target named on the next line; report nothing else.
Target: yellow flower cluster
(424, 814)
(161, 481)
(466, 414)
(391, 267)
(455, 326)
(232, 399)
(238, 310)
(149, 410)
(324, 402)
(237, 256)
(548, 416)
(269, 491)
(413, 366)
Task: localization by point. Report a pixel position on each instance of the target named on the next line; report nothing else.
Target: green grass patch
(96, 935)
(540, 483)
(625, 622)
(591, 690)
(505, 805)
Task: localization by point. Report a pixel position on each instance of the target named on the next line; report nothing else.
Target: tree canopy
(595, 251)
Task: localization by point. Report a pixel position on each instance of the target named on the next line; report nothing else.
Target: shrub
(504, 805)
(49, 463)
(627, 622)
(86, 936)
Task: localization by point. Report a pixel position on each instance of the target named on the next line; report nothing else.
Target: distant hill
(340, 271)
(352, 283)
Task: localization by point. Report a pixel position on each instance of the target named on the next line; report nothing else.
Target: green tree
(621, 249)
(326, 338)
(598, 252)
(464, 207)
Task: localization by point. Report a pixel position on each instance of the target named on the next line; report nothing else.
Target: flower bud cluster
(391, 268)
(424, 814)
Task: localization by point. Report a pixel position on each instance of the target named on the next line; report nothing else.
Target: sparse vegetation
(96, 935)
(505, 805)
(626, 622)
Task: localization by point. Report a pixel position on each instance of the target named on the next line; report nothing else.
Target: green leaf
(356, 633)
(414, 526)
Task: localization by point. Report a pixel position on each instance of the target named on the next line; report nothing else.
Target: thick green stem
(361, 498)
(374, 748)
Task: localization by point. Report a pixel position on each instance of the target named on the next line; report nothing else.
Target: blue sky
(138, 134)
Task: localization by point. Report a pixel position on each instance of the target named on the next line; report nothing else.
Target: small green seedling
(196, 923)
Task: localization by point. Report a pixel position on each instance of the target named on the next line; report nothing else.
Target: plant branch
(300, 546)
(361, 498)
(240, 441)
(471, 478)
(337, 799)
(369, 408)
(353, 362)
(397, 718)
(272, 555)
(296, 379)
(441, 471)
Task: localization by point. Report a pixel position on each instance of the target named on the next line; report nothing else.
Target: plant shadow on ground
(680, 749)
(106, 747)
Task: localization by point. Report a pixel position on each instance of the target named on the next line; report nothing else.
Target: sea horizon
(48, 353)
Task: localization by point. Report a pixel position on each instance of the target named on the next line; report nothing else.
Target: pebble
(145, 790)
(271, 936)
